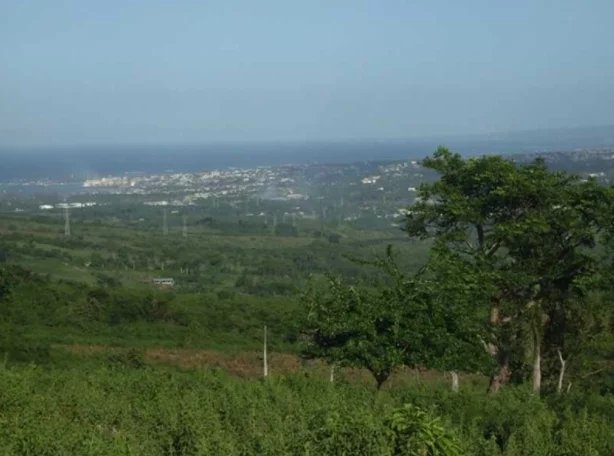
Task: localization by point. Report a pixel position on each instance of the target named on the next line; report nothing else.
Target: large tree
(529, 232)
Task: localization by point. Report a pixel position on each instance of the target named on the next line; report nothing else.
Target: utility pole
(184, 231)
(164, 222)
(66, 221)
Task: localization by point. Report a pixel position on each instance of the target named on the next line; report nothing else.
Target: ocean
(74, 164)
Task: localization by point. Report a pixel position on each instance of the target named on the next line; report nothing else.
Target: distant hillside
(533, 141)
(597, 163)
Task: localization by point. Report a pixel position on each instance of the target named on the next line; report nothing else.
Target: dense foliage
(429, 319)
(93, 409)
(536, 238)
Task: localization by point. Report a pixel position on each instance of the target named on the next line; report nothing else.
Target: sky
(189, 72)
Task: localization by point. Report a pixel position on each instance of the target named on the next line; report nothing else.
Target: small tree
(418, 320)
(349, 326)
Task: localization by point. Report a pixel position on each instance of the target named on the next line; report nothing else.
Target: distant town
(373, 191)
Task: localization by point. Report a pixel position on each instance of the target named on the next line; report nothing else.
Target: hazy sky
(97, 72)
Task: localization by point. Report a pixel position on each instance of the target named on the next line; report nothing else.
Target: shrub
(415, 432)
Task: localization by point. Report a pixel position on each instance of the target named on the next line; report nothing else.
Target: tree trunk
(503, 373)
(494, 315)
(537, 368)
(454, 376)
(380, 378)
(559, 387)
(332, 373)
(501, 376)
(537, 355)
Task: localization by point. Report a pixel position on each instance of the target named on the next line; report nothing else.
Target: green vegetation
(95, 286)
(428, 320)
(119, 409)
(505, 283)
(520, 269)
(534, 238)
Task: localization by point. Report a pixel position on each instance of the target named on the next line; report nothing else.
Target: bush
(415, 432)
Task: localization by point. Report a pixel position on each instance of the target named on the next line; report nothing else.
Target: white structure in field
(163, 281)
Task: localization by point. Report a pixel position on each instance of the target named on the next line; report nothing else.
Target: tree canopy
(532, 232)
(412, 321)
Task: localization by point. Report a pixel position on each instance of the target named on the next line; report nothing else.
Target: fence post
(264, 357)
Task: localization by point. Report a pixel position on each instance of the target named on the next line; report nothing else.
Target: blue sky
(129, 72)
